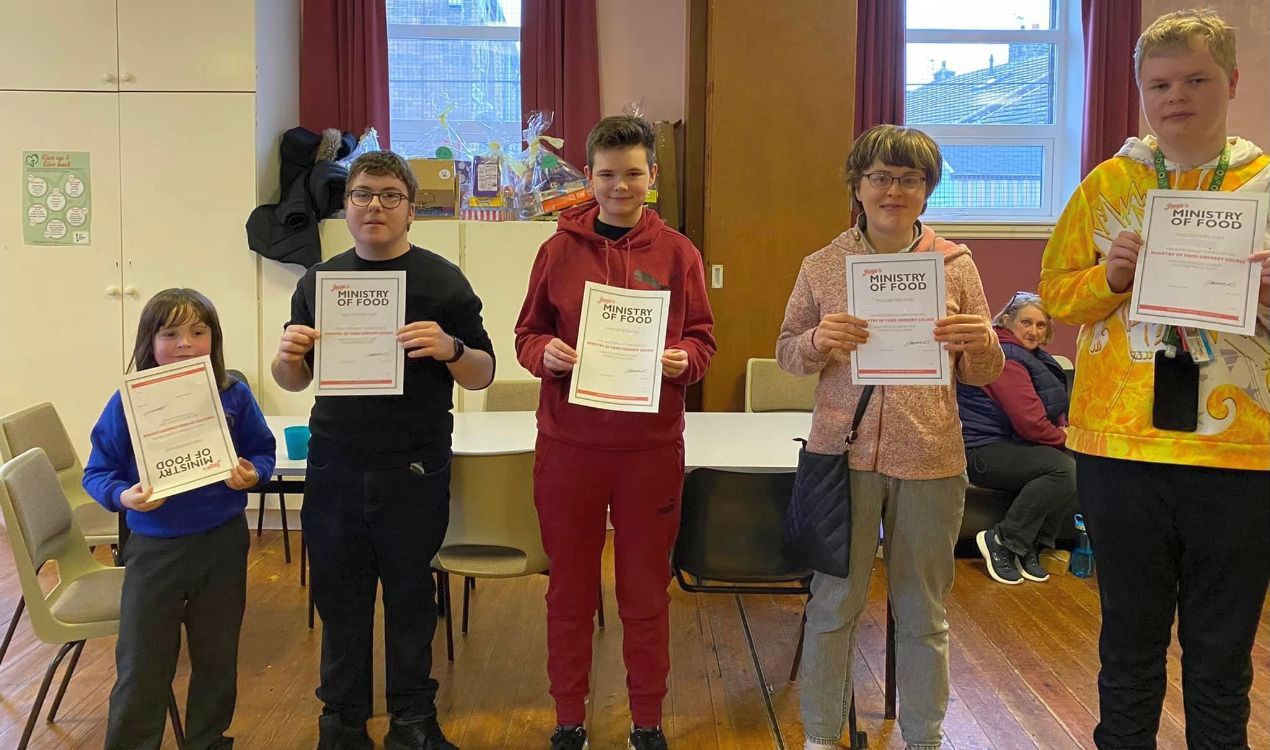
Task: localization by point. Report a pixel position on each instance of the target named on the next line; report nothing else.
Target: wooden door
(778, 93)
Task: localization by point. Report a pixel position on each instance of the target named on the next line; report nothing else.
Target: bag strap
(860, 408)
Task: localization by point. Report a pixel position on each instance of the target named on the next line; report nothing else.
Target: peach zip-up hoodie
(909, 431)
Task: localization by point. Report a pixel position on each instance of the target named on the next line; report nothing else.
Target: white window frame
(1061, 141)
(410, 130)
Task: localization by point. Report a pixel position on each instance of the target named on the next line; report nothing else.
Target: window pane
(987, 14)
(455, 12)
(476, 80)
(990, 177)
(979, 84)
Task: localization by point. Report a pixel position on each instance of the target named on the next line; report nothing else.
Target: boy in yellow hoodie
(1180, 520)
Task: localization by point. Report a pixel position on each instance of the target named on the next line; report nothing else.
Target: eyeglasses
(1024, 297)
(388, 200)
(909, 182)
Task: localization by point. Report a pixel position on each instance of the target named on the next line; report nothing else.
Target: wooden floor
(1024, 665)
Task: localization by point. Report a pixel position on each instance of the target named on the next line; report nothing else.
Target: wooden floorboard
(1024, 664)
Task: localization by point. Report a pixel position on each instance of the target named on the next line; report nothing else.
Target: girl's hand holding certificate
(244, 475)
(137, 498)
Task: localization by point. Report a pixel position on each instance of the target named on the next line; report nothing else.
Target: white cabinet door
(58, 45)
(188, 183)
(187, 45)
(60, 328)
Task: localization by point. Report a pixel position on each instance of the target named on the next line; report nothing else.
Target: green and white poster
(56, 198)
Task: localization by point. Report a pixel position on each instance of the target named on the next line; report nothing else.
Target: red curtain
(344, 66)
(879, 64)
(559, 69)
(1111, 88)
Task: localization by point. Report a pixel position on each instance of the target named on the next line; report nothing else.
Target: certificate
(901, 296)
(179, 434)
(621, 336)
(1193, 268)
(358, 314)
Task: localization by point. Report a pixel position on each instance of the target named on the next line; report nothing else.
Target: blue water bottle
(1083, 556)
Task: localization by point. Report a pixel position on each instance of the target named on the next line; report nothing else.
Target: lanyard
(1162, 175)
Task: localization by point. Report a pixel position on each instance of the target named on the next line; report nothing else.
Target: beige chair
(85, 601)
(39, 427)
(493, 530)
(512, 395)
(769, 388)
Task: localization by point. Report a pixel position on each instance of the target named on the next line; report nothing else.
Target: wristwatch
(459, 348)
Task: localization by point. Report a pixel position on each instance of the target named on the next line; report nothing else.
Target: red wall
(1009, 266)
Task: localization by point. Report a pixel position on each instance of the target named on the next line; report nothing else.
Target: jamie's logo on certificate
(1193, 269)
(901, 296)
(1182, 215)
(880, 281)
(620, 340)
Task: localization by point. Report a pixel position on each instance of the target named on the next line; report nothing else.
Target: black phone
(1176, 402)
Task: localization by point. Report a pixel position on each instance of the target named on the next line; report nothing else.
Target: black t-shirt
(389, 431)
(609, 231)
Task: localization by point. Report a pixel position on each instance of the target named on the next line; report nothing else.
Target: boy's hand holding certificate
(179, 434)
(1193, 269)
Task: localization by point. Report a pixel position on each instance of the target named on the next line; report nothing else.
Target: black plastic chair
(730, 543)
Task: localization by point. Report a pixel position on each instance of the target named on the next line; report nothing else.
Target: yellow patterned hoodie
(1115, 371)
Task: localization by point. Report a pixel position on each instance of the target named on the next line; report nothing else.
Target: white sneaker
(809, 745)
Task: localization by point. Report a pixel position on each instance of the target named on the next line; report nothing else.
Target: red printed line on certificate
(171, 376)
(356, 382)
(899, 372)
(614, 396)
(1188, 311)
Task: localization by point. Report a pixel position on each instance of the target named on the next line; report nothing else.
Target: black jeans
(364, 528)
(1044, 479)
(1172, 538)
(198, 580)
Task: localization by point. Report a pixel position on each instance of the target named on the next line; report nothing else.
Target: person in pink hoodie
(907, 464)
(593, 463)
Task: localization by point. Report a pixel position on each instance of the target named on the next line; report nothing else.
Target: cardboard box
(438, 195)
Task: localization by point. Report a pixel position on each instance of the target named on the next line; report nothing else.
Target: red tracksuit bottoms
(573, 487)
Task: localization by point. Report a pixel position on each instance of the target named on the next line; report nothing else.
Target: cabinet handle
(109, 78)
(131, 291)
(112, 291)
(128, 78)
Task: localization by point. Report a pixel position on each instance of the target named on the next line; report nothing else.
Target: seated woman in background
(1014, 430)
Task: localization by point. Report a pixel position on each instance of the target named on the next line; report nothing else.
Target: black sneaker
(1031, 568)
(569, 738)
(424, 734)
(1001, 561)
(646, 739)
(333, 735)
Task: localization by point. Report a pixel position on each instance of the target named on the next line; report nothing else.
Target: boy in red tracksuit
(592, 463)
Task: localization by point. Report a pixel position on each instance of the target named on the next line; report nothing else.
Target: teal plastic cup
(297, 437)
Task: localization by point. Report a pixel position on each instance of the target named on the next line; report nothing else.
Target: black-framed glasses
(1025, 297)
(883, 180)
(388, 199)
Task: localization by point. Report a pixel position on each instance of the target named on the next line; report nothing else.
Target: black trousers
(365, 528)
(199, 581)
(1044, 479)
(1184, 539)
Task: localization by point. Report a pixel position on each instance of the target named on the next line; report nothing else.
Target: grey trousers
(921, 518)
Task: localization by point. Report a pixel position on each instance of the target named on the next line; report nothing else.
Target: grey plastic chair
(85, 601)
(39, 426)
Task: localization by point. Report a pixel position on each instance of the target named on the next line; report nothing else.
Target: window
(999, 89)
(460, 56)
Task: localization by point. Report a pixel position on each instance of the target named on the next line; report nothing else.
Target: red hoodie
(650, 256)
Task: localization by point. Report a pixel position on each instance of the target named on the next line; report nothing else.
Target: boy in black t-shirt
(377, 487)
